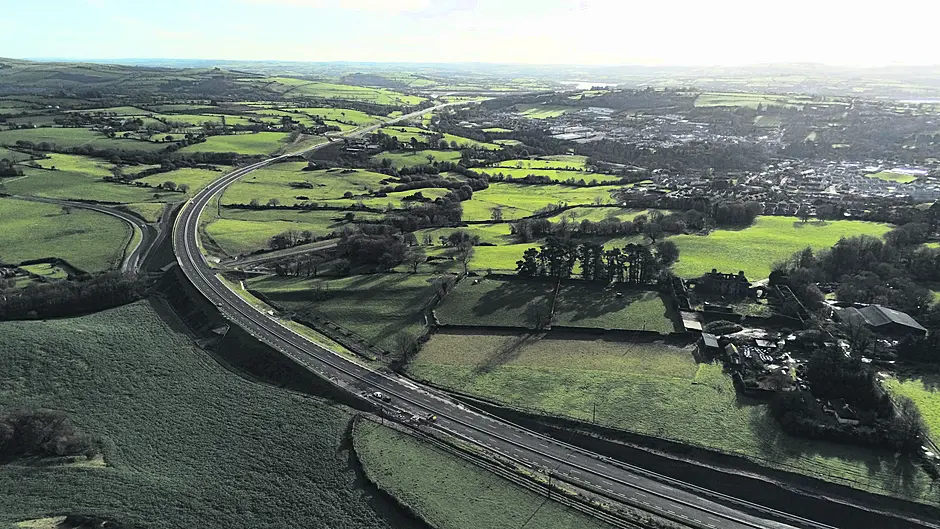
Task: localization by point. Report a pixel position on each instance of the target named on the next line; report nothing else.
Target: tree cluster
(42, 433)
(70, 298)
(634, 264)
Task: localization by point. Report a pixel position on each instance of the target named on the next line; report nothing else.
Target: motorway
(661, 495)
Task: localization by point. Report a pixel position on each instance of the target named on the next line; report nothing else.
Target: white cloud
(369, 6)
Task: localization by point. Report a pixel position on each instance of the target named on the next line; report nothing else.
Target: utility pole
(594, 415)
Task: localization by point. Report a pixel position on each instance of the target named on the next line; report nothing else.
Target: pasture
(260, 143)
(495, 302)
(520, 200)
(411, 159)
(66, 138)
(556, 175)
(178, 430)
(89, 241)
(560, 161)
(236, 237)
(339, 115)
(543, 111)
(924, 390)
(297, 88)
(377, 307)
(769, 240)
(653, 388)
(196, 179)
(448, 492)
(584, 304)
(81, 180)
(288, 181)
(888, 176)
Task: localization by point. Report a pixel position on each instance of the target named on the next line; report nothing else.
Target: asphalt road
(133, 257)
(670, 498)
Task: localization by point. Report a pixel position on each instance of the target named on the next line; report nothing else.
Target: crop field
(411, 159)
(583, 304)
(651, 388)
(249, 144)
(275, 182)
(543, 111)
(377, 307)
(451, 493)
(494, 302)
(64, 138)
(888, 176)
(89, 241)
(179, 430)
(755, 249)
(196, 179)
(557, 175)
(924, 390)
(519, 200)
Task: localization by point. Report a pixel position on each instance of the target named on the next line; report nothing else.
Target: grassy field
(749, 100)
(755, 249)
(196, 179)
(556, 175)
(149, 211)
(377, 307)
(235, 237)
(63, 138)
(924, 390)
(651, 388)
(450, 493)
(411, 159)
(47, 270)
(90, 241)
(187, 442)
(405, 134)
(560, 161)
(80, 178)
(497, 130)
(495, 302)
(275, 182)
(888, 176)
(543, 111)
(583, 304)
(598, 214)
(250, 144)
(341, 115)
(519, 200)
(296, 88)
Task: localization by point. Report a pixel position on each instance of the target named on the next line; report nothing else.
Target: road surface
(683, 503)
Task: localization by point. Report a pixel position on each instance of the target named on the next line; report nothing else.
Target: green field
(411, 159)
(543, 111)
(450, 493)
(275, 182)
(497, 130)
(519, 200)
(249, 144)
(149, 211)
(555, 175)
(47, 270)
(598, 214)
(651, 388)
(755, 249)
(196, 179)
(237, 237)
(340, 115)
(560, 161)
(924, 390)
(377, 307)
(405, 134)
(89, 241)
(187, 443)
(65, 138)
(495, 302)
(750, 100)
(889, 176)
(297, 88)
(585, 304)
(79, 178)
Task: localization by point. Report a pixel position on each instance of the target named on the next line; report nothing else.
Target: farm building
(727, 285)
(882, 320)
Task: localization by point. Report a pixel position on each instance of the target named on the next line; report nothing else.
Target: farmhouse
(882, 320)
(726, 285)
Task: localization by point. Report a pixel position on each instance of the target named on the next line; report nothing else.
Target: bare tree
(858, 335)
(405, 345)
(464, 256)
(496, 214)
(538, 316)
(414, 257)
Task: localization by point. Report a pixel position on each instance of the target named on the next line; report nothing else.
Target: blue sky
(652, 32)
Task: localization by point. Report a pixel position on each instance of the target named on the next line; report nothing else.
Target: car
(378, 395)
(431, 417)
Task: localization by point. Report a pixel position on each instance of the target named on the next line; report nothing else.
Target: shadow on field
(506, 353)
(513, 295)
(583, 304)
(896, 473)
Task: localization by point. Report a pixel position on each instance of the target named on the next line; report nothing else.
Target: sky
(580, 32)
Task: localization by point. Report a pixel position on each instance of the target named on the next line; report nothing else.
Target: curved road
(664, 496)
(133, 257)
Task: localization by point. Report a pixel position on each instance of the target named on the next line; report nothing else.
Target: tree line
(633, 264)
(70, 298)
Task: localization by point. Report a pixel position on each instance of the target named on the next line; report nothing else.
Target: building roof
(710, 340)
(878, 316)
